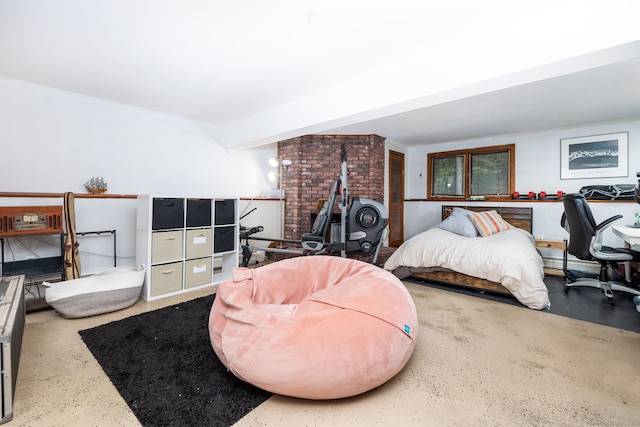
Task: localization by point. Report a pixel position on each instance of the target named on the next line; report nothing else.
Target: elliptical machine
(363, 226)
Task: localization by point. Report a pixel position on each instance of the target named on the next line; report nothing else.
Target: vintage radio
(25, 220)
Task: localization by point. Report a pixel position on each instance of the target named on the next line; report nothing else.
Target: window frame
(467, 153)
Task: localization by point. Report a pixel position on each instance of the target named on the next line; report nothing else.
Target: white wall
(54, 141)
(537, 169)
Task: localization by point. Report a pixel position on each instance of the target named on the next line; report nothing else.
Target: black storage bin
(224, 239)
(198, 212)
(167, 213)
(225, 212)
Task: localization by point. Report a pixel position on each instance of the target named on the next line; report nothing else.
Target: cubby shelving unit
(185, 243)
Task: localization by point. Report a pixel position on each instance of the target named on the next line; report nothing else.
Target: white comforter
(508, 257)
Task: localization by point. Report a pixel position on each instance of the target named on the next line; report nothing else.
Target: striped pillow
(488, 222)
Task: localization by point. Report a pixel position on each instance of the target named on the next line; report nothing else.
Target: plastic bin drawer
(225, 212)
(166, 246)
(224, 239)
(166, 278)
(167, 213)
(197, 272)
(199, 242)
(199, 212)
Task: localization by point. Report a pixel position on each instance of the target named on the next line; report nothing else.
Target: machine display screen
(30, 217)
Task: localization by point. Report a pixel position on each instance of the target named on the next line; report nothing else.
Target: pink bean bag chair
(315, 327)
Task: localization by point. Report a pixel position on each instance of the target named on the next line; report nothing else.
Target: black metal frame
(47, 265)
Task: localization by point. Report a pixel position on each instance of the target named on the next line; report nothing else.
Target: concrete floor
(476, 362)
(60, 383)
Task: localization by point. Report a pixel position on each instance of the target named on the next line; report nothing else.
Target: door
(396, 198)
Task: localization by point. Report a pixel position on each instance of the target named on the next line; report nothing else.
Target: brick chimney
(316, 165)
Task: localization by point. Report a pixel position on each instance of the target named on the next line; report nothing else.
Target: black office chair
(585, 243)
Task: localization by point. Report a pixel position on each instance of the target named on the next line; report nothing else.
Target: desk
(631, 237)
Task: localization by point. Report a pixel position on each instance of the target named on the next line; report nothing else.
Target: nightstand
(553, 245)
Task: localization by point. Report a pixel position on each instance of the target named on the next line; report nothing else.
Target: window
(461, 174)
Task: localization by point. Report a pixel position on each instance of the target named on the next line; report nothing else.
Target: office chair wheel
(611, 301)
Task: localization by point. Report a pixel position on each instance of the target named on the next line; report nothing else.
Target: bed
(504, 260)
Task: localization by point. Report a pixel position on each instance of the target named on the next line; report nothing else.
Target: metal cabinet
(12, 320)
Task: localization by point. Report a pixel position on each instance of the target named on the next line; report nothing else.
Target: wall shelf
(77, 195)
(511, 201)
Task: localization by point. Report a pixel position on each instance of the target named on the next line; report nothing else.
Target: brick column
(316, 165)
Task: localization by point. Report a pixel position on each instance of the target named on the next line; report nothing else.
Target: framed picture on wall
(597, 156)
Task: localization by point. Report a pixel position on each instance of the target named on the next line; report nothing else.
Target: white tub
(107, 291)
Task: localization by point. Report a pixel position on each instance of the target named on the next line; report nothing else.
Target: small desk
(631, 237)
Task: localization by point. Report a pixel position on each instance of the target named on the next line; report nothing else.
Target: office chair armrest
(607, 222)
(596, 241)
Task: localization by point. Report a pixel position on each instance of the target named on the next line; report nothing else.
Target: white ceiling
(415, 72)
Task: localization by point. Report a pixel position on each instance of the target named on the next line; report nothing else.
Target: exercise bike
(363, 226)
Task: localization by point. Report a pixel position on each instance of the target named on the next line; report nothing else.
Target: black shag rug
(164, 367)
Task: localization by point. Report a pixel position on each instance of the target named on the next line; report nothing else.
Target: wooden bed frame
(517, 216)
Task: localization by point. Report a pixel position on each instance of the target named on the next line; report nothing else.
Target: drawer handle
(170, 238)
(168, 271)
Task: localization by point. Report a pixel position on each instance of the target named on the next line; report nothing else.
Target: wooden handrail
(513, 201)
(99, 196)
(77, 195)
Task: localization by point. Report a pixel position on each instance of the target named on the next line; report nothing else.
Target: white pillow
(458, 222)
